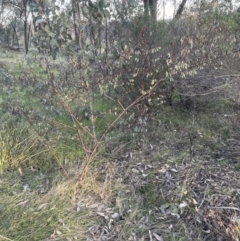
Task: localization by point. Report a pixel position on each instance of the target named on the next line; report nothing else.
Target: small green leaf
(54, 42)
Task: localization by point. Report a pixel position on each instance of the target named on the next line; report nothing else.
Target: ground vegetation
(116, 125)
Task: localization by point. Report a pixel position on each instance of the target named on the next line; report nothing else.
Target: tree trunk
(74, 5)
(180, 9)
(29, 35)
(164, 10)
(146, 8)
(25, 27)
(174, 7)
(153, 9)
(15, 32)
(150, 8)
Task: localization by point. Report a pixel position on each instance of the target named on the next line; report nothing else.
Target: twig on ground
(5, 238)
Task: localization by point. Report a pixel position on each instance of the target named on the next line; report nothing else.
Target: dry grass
(38, 206)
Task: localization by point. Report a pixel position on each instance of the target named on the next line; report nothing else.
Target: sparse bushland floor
(178, 180)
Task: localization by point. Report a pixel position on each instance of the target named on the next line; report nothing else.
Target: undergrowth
(102, 146)
(148, 186)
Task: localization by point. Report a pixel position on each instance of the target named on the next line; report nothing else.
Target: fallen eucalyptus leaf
(103, 215)
(95, 205)
(134, 170)
(115, 215)
(58, 232)
(42, 206)
(22, 203)
(159, 238)
(183, 204)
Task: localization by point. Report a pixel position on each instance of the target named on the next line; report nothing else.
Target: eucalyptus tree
(150, 8)
(180, 8)
(20, 9)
